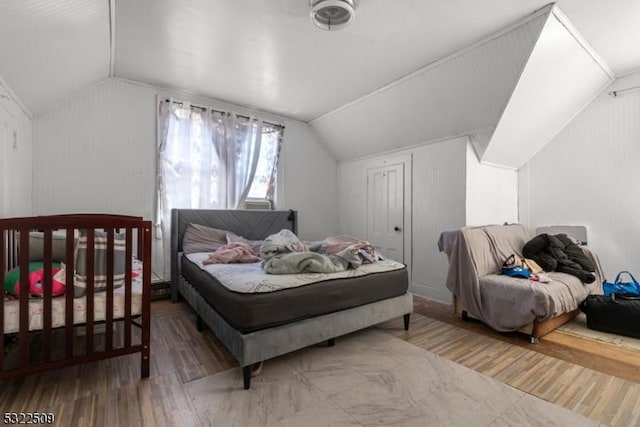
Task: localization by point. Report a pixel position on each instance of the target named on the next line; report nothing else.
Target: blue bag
(620, 287)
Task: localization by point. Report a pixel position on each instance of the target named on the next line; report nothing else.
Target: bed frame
(253, 347)
(534, 330)
(29, 351)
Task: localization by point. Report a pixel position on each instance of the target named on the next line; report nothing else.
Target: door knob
(396, 228)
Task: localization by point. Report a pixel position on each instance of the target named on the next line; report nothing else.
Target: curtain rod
(222, 112)
(618, 92)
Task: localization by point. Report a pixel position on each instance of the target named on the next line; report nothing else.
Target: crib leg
(144, 364)
(199, 323)
(246, 376)
(407, 317)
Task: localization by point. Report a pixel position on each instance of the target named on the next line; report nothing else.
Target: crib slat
(144, 252)
(12, 252)
(48, 295)
(89, 295)
(24, 298)
(127, 283)
(109, 291)
(4, 253)
(69, 291)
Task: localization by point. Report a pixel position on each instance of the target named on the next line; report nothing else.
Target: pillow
(200, 238)
(254, 244)
(100, 262)
(58, 246)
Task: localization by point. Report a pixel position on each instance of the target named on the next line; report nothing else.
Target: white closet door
(385, 210)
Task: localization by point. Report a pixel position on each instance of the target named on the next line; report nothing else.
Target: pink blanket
(237, 252)
(335, 244)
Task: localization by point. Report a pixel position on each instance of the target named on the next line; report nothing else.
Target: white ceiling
(559, 79)
(266, 54)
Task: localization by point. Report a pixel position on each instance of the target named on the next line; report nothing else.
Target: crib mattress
(249, 312)
(58, 308)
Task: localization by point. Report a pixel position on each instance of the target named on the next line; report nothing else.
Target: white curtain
(186, 159)
(206, 160)
(237, 141)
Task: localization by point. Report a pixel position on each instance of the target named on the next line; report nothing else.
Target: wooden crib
(102, 262)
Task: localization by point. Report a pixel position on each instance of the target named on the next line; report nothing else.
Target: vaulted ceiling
(267, 55)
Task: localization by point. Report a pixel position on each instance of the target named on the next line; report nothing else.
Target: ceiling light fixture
(332, 15)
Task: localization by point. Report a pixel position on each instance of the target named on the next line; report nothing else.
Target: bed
(258, 326)
(476, 255)
(77, 289)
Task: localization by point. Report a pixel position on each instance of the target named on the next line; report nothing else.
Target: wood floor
(596, 380)
(588, 353)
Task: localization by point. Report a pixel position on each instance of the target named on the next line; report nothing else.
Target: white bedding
(251, 278)
(36, 309)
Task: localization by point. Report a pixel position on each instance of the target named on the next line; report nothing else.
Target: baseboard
(440, 295)
(160, 290)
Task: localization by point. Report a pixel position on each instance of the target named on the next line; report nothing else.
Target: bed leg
(199, 323)
(331, 342)
(407, 317)
(246, 376)
(465, 315)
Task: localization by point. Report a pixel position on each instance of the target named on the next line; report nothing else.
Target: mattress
(249, 312)
(58, 307)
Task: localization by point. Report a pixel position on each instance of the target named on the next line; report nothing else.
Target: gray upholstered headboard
(251, 224)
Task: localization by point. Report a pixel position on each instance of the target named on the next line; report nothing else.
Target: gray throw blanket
(284, 253)
(505, 303)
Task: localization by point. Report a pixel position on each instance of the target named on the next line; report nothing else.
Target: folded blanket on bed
(284, 253)
(304, 262)
(237, 252)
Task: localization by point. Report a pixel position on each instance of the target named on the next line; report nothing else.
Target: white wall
(15, 156)
(438, 204)
(96, 153)
(562, 75)
(492, 192)
(588, 175)
(309, 181)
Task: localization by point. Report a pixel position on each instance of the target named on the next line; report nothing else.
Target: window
(215, 160)
(210, 159)
(263, 184)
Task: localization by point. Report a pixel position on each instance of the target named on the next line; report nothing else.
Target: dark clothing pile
(559, 253)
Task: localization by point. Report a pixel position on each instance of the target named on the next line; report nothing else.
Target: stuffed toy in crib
(12, 283)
